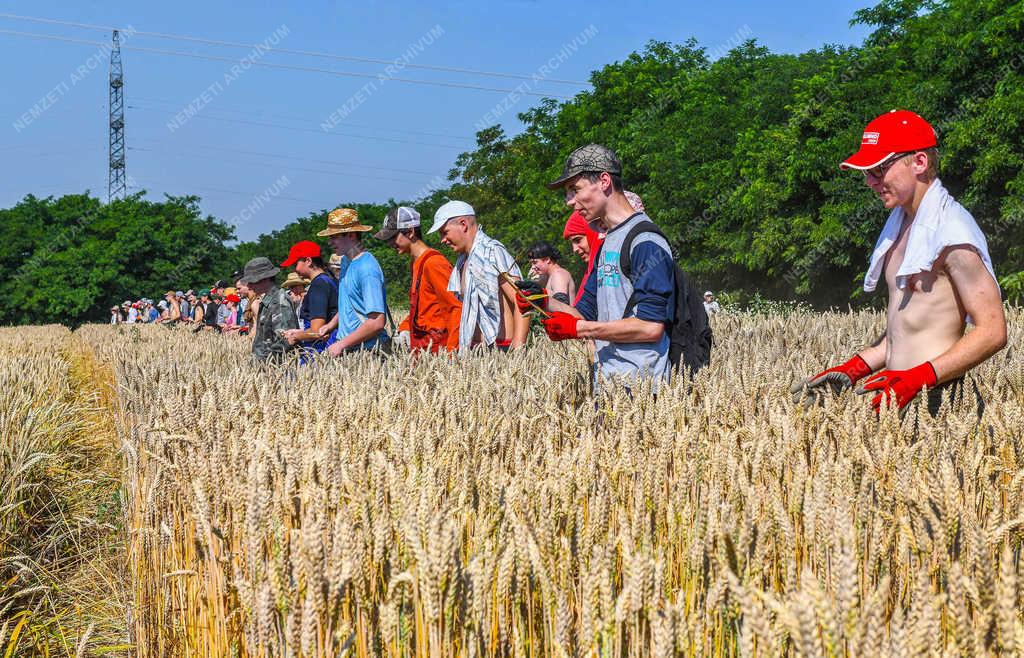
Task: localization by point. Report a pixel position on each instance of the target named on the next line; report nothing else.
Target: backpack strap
(626, 265)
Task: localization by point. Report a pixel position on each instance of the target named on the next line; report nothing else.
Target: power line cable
(275, 166)
(224, 149)
(267, 124)
(289, 51)
(291, 117)
(225, 191)
(286, 67)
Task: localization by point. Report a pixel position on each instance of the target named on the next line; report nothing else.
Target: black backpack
(690, 337)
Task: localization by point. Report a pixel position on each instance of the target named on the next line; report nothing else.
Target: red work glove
(530, 291)
(561, 326)
(901, 385)
(837, 379)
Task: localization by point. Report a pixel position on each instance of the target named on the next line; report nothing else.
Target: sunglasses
(878, 172)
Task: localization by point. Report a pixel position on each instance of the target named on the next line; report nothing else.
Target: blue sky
(284, 142)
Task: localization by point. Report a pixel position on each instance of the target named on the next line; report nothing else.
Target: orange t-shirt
(437, 310)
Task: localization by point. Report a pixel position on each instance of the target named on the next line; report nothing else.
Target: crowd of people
(638, 312)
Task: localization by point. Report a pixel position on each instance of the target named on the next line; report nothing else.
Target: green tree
(69, 259)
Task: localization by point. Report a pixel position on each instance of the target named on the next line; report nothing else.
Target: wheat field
(487, 507)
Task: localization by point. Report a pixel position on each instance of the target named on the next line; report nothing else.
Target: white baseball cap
(451, 210)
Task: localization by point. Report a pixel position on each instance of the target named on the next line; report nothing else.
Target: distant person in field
(295, 286)
(211, 310)
(205, 310)
(319, 303)
(115, 315)
(585, 242)
(362, 318)
(334, 266)
(193, 303)
(627, 317)
(222, 311)
(934, 260)
(173, 311)
(434, 311)
(710, 305)
(241, 290)
(232, 319)
(245, 306)
(249, 305)
(545, 267)
(184, 309)
(276, 313)
(490, 316)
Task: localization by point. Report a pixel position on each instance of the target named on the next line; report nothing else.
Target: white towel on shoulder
(941, 222)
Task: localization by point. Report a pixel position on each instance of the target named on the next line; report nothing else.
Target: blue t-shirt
(360, 292)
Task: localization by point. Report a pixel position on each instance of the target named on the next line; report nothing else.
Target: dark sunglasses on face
(878, 172)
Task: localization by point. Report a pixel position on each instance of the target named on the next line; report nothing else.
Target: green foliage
(758, 305)
(736, 159)
(1013, 287)
(68, 260)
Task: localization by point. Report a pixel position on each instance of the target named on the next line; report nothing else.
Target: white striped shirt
(481, 300)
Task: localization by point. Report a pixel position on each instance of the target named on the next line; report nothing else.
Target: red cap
(898, 131)
(304, 249)
(233, 298)
(576, 225)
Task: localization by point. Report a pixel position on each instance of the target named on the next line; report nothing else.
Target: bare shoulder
(560, 277)
(968, 272)
(961, 259)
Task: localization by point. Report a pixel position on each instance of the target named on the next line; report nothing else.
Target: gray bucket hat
(589, 159)
(259, 268)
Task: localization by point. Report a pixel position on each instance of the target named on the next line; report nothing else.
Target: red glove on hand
(838, 379)
(530, 291)
(561, 326)
(903, 385)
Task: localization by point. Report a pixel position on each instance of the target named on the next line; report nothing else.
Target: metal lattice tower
(116, 179)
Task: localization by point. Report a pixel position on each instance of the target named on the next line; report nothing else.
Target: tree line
(735, 158)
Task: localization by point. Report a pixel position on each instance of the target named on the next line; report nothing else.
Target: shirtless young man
(545, 266)
(936, 265)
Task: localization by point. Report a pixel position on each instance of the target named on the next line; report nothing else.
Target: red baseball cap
(233, 298)
(304, 249)
(898, 131)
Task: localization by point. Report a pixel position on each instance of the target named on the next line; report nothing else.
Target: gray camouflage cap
(589, 159)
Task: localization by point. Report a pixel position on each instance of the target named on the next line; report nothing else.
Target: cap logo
(870, 138)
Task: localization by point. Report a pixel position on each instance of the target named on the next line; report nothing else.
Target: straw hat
(294, 280)
(343, 220)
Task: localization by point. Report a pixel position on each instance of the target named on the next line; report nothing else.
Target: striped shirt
(479, 293)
